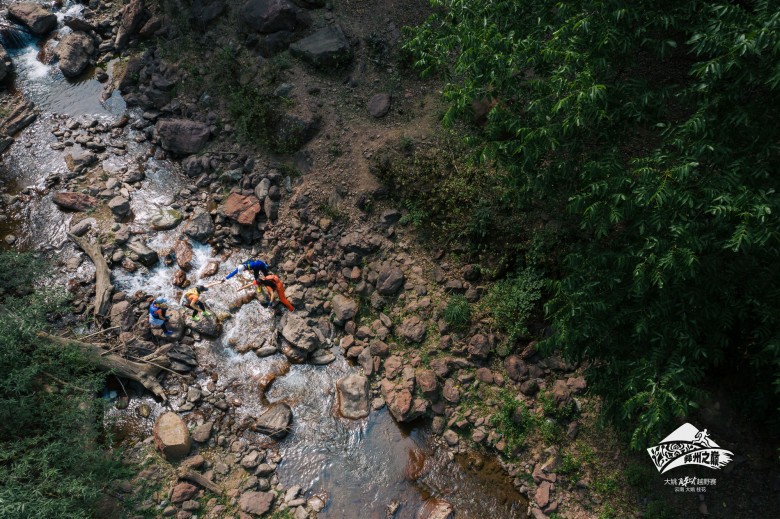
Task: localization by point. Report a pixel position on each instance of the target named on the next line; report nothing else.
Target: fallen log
(199, 479)
(145, 374)
(103, 286)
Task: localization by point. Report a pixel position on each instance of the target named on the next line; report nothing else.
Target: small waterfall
(13, 36)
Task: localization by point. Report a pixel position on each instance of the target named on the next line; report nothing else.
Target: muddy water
(358, 466)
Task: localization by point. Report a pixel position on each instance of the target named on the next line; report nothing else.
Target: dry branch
(103, 286)
(144, 374)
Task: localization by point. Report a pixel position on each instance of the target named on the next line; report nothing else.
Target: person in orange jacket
(272, 283)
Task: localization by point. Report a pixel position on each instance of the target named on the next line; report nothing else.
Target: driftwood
(200, 479)
(145, 374)
(103, 286)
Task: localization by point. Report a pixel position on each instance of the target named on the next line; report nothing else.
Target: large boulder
(33, 16)
(146, 255)
(74, 201)
(119, 205)
(208, 326)
(325, 48)
(133, 16)
(183, 252)
(516, 369)
(241, 208)
(171, 436)
(479, 346)
(268, 16)
(389, 281)
(353, 396)
(74, 52)
(344, 309)
(300, 334)
(182, 136)
(166, 219)
(79, 159)
(360, 243)
(200, 227)
(256, 503)
(121, 315)
(275, 422)
(401, 403)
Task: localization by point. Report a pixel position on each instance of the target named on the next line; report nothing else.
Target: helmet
(201, 288)
(161, 302)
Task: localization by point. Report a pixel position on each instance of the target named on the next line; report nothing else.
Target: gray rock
(146, 255)
(271, 209)
(451, 437)
(200, 227)
(321, 357)
(121, 314)
(33, 16)
(390, 280)
(208, 326)
(261, 190)
(275, 422)
(412, 329)
(353, 396)
(132, 18)
(327, 47)
(74, 52)
(299, 334)
(268, 16)
(379, 105)
(202, 433)
(79, 159)
(119, 205)
(78, 24)
(182, 136)
(166, 219)
(256, 503)
(344, 309)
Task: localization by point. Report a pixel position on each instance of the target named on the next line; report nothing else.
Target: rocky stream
(255, 387)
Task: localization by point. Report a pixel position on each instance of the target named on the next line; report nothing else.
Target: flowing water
(360, 466)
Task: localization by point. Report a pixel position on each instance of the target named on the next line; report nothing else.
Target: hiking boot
(206, 314)
(168, 332)
(195, 318)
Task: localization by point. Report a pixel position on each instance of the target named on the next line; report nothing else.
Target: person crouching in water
(157, 317)
(273, 284)
(191, 299)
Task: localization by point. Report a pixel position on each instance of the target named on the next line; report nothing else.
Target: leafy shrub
(655, 123)
(52, 461)
(513, 421)
(512, 301)
(457, 314)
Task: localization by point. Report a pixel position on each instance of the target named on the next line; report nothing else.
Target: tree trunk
(103, 286)
(145, 374)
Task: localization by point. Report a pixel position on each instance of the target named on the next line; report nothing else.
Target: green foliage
(659, 510)
(513, 421)
(656, 122)
(457, 314)
(511, 302)
(52, 463)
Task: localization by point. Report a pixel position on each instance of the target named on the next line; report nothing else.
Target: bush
(52, 462)
(457, 314)
(512, 301)
(513, 421)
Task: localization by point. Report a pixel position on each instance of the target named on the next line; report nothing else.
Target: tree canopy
(656, 123)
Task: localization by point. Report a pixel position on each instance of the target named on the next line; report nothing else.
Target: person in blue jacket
(157, 317)
(256, 266)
